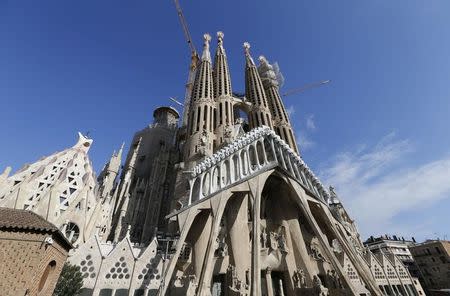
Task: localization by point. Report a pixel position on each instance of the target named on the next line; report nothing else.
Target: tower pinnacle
(254, 91)
(200, 123)
(248, 57)
(222, 81)
(222, 94)
(206, 56)
(220, 38)
(280, 117)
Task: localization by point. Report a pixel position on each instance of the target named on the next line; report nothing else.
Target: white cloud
(303, 137)
(376, 188)
(290, 110)
(304, 142)
(310, 125)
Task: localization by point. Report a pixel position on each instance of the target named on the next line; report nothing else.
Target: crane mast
(305, 87)
(193, 66)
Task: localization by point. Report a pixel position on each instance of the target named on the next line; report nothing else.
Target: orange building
(32, 253)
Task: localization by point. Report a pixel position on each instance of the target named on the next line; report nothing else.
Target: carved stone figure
(264, 238)
(222, 247)
(204, 139)
(299, 278)
(282, 243)
(317, 281)
(334, 279)
(337, 248)
(234, 283)
(318, 287)
(228, 132)
(273, 241)
(315, 250)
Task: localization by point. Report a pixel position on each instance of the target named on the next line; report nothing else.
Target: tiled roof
(22, 219)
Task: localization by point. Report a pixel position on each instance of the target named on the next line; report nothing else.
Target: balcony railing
(249, 155)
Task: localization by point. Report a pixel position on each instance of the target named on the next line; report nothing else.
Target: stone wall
(26, 260)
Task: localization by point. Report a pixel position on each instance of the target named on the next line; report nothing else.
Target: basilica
(219, 203)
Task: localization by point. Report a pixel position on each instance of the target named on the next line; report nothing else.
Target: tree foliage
(70, 281)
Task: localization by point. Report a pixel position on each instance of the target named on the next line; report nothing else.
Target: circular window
(72, 232)
(86, 144)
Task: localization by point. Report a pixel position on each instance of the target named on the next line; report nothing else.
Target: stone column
(201, 244)
(256, 245)
(269, 281)
(236, 216)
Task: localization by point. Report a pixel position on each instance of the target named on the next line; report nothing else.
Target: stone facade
(32, 252)
(62, 188)
(223, 205)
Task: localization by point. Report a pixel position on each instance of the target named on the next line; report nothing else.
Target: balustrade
(258, 150)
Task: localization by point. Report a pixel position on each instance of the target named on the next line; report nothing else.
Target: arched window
(48, 271)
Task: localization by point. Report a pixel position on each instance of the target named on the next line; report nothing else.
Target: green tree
(70, 281)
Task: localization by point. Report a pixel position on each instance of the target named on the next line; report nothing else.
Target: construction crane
(305, 87)
(194, 62)
(176, 101)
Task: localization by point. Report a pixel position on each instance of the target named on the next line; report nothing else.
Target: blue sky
(378, 132)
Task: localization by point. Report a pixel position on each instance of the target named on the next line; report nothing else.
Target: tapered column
(201, 245)
(236, 217)
(268, 275)
(256, 245)
(204, 284)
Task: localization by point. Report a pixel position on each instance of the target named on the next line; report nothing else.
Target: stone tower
(259, 114)
(200, 129)
(142, 196)
(281, 123)
(109, 173)
(224, 115)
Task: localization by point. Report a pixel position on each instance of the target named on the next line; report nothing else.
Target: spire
(109, 173)
(280, 117)
(222, 80)
(206, 55)
(119, 154)
(254, 92)
(220, 36)
(248, 57)
(203, 84)
(132, 163)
